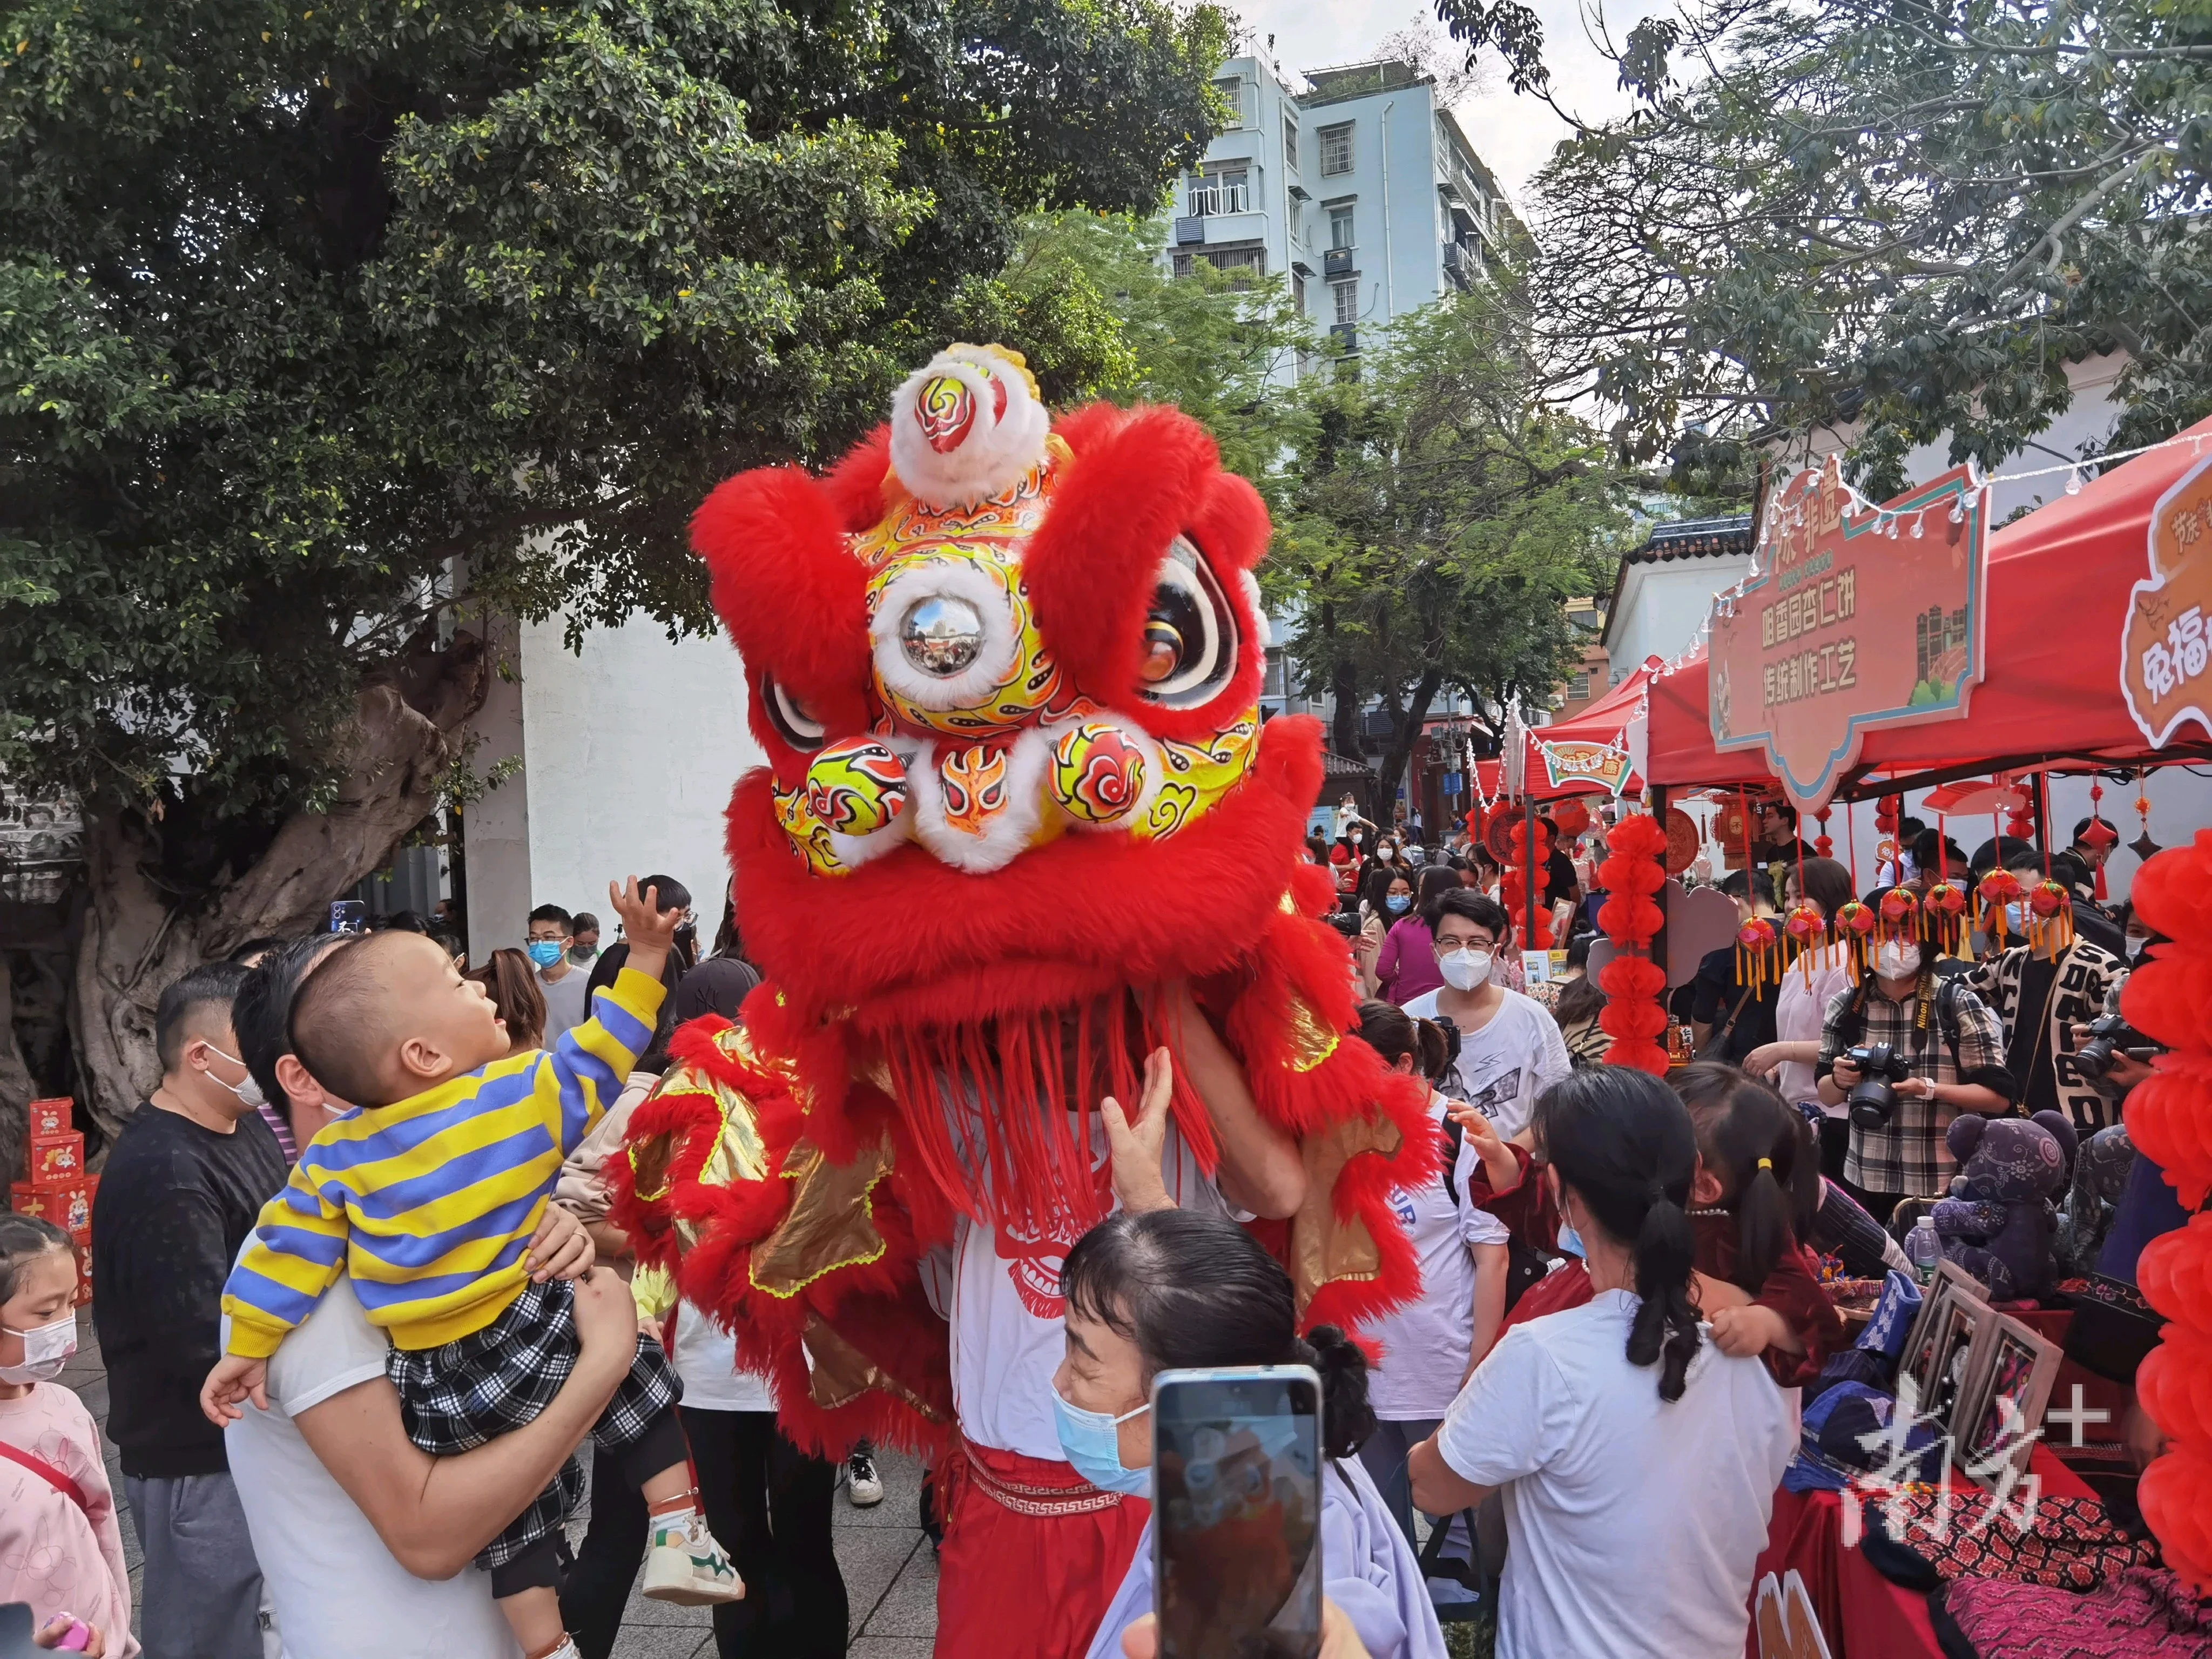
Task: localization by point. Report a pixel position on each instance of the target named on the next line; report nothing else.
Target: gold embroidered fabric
(830, 1224)
(838, 1373)
(1324, 1250)
(1311, 1041)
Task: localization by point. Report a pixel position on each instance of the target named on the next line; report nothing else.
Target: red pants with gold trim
(1033, 1554)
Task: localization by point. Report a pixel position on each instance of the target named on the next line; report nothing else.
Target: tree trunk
(1406, 734)
(139, 938)
(16, 1086)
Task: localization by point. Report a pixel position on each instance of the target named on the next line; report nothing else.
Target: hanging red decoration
(1806, 930)
(1823, 844)
(2101, 836)
(1755, 953)
(1513, 889)
(1855, 924)
(2169, 1118)
(2051, 916)
(1570, 817)
(1632, 982)
(1943, 918)
(1998, 889)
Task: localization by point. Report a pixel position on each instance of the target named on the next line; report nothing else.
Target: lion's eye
(1190, 645)
(791, 722)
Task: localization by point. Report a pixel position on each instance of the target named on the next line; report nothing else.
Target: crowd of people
(1619, 1282)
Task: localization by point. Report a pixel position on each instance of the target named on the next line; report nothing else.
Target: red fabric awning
(2059, 583)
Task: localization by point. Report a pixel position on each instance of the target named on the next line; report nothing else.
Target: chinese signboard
(1857, 619)
(1567, 764)
(2165, 654)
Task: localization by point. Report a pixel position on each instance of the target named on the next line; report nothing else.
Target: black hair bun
(1346, 1418)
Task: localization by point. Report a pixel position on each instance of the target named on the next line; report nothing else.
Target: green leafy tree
(1903, 220)
(1439, 517)
(319, 324)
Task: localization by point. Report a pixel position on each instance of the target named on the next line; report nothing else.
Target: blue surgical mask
(1397, 902)
(545, 951)
(1572, 1241)
(1094, 1447)
(2016, 917)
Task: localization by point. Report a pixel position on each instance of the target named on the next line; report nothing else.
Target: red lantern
(1631, 983)
(1943, 913)
(1855, 924)
(1755, 953)
(1570, 817)
(1998, 889)
(2169, 1118)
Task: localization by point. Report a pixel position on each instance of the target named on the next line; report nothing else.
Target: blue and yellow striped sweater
(429, 1203)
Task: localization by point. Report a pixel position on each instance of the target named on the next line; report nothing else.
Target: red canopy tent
(2059, 588)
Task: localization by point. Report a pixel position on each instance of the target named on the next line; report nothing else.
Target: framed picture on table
(2001, 1405)
(1950, 1279)
(1941, 1354)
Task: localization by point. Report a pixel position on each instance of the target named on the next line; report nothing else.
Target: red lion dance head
(1006, 675)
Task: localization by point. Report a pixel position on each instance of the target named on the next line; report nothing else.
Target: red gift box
(67, 1203)
(56, 1159)
(50, 1117)
(83, 1248)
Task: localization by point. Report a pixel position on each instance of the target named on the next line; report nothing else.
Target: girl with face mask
(1167, 1289)
(60, 1514)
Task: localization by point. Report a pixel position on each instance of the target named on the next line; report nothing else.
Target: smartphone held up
(1236, 1493)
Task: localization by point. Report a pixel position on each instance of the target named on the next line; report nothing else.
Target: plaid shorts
(453, 1399)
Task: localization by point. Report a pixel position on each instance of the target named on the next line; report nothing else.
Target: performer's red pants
(1033, 1554)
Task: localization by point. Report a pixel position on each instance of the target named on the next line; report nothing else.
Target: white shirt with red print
(1006, 1308)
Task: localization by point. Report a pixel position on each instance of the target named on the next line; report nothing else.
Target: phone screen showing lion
(1237, 1480)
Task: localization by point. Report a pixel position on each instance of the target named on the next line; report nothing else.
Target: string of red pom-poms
(1632, 981)
(2169, 1118)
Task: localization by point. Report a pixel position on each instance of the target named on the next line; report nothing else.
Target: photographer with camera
(1907, 1051)
(2043, 993)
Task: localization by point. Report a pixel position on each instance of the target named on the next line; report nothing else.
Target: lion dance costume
(1006, 676)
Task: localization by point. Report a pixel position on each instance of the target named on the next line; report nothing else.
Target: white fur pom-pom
(968, 427)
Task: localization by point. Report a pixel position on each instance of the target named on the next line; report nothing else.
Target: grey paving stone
(909, 1606)
(871, 1558)
(892, 1647)
(661, 1642)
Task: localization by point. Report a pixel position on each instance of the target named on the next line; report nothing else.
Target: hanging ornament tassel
(1998, 889)
(2051, 917)
(1855, 924)
(2100, 835)
(1809, 931)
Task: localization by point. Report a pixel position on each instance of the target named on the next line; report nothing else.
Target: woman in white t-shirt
(1637, 1463)
(1807, 988)
(1165, 1289)
(1431, 1346)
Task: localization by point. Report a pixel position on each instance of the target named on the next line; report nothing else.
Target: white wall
(1663, 604)
(629, 752)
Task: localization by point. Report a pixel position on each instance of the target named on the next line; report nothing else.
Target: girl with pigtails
(1593, 1420)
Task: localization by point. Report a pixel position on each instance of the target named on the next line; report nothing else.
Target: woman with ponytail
(1430, 1347)
(1167, 1289)
(1597, 1419)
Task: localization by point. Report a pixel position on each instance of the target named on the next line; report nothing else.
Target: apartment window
(1272, 686)
(1346, 297)
(1290, 143)
(1231, 88)
(1578, 688)
(1221, 192)
(1336, 149)
(1298, 219)
(1240, 264)
(1299, 293)
(1340, 226)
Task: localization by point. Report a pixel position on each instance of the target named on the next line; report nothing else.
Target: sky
(1515, 135)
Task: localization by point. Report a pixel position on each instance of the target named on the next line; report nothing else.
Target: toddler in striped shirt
(427, 1195)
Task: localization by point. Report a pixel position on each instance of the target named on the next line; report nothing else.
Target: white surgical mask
(2134, 943)
(248, 1092)
(1464, 969)
(46, 1349)
(1384, 854)
(1895, 961)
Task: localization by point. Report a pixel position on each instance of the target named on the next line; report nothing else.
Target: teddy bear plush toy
(1998, 1221)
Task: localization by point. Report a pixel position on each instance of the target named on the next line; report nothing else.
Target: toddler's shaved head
(387, 1015)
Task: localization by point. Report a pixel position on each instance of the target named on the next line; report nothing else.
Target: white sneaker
(687, 1566)
(862, 1484)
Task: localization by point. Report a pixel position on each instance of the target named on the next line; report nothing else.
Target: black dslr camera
(1873, 1099)
(2110, 1035)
